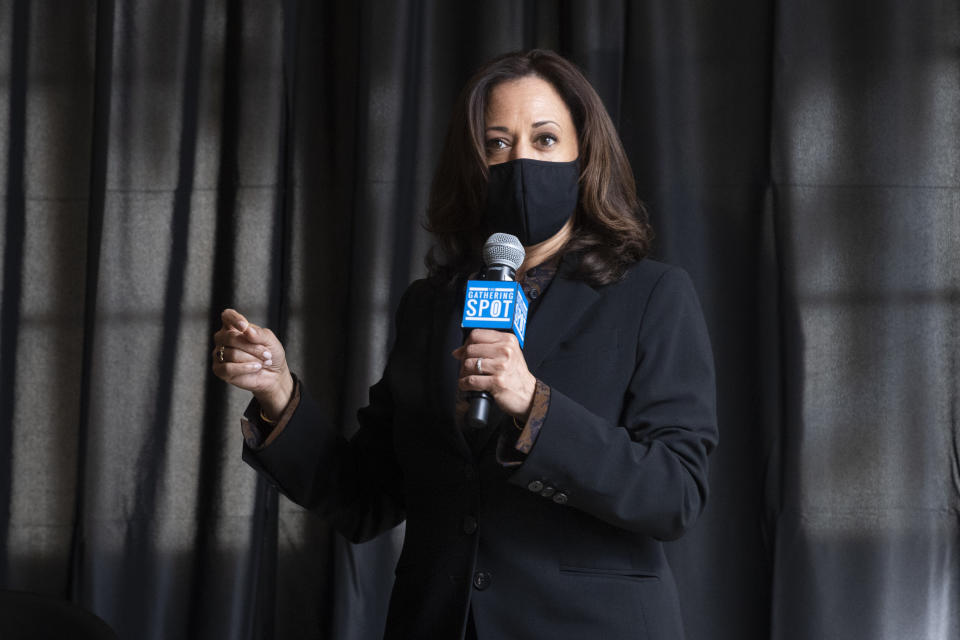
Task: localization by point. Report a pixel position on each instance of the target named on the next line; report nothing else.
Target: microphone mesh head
(503, 249)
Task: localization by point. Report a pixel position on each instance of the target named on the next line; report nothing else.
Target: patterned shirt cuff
(514, 443)
(257, 432)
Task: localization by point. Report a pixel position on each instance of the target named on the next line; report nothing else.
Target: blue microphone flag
(492, 304)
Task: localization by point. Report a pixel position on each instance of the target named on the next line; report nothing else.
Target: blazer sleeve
(355, 484)
(649, 472)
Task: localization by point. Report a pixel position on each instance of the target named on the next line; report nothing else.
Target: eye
(496, 144)
(546, 139)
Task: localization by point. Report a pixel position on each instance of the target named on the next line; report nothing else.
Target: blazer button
(548, 491)
(560, 498)
(536, 486)
(469, 525)
(481, 580)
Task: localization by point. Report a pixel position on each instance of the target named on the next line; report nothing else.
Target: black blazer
(568, 544)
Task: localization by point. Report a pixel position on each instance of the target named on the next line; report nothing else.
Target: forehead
(529, 97)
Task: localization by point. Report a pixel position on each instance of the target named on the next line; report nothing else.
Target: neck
(543, 251)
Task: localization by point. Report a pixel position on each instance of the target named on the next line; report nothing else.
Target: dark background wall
(163, 160)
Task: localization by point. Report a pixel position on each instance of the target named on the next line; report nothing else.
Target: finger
(477, 383)
(233, 319)
(230, 371)
(258, 335)
(233, 354)
(232, 340)
(481, 366)
(253, 335)
(488, 336)
(461, 352)
(487, 350)
(485, 336)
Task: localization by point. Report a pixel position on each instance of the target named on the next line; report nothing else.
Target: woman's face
(527, 118)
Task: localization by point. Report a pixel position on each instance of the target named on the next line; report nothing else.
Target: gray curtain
(163, 160)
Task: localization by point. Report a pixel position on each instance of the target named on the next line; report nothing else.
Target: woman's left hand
(492, 361)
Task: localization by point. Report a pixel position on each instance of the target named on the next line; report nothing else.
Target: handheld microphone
(495, 302)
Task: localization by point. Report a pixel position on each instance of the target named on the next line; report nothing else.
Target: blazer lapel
(560, 310)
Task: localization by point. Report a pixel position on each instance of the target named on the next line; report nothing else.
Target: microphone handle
(499, 272)
(478, 415)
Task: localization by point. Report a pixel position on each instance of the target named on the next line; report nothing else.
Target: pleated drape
(164, 160)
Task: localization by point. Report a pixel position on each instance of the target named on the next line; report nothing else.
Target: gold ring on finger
(220, 353)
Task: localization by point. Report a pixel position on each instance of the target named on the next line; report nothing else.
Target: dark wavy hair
(611, 229)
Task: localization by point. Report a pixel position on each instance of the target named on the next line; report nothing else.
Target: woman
(548, 523)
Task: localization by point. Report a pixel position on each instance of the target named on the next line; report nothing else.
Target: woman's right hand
(251, 358)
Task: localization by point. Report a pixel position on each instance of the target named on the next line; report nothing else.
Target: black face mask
(531, 199)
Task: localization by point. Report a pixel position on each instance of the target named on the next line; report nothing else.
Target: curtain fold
(162, 161)
(865, 168)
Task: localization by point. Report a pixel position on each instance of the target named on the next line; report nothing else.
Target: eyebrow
(535, 125)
